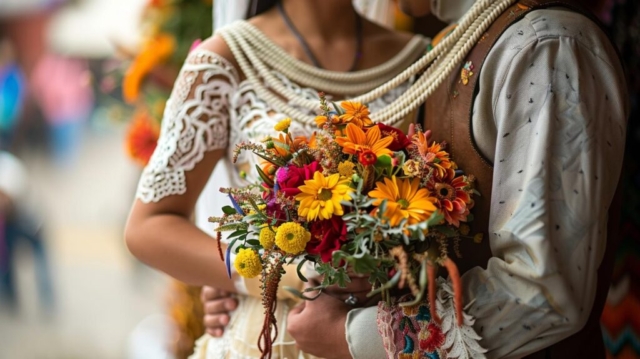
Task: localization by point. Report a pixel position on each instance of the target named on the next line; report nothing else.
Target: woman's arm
(194, 137)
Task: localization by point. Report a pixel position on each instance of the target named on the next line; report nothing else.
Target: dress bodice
(212, 108)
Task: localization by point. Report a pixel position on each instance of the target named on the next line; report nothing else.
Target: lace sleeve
(195, 121)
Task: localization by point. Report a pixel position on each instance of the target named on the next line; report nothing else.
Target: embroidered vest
(448, 114)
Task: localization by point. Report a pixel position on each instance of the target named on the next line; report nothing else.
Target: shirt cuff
(364, 342)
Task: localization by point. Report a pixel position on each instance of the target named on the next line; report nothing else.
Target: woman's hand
(217, 304)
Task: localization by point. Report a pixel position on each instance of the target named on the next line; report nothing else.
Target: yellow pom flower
(292, 238)
(346, 168)
(267, 237)
(248, 263)
(283, 125)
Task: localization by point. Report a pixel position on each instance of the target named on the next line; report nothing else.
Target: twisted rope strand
(257, 57)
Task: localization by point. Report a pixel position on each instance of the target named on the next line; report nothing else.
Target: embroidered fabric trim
(410, 332)
(195, 121)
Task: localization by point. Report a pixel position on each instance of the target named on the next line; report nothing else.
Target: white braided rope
(349, 85)
(266, 95)
(426, 85)
(276, 57)
(255, 55)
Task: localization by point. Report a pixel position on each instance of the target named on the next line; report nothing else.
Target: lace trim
(195, 121)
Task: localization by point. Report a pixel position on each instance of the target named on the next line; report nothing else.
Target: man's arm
(560, 117)
(555, 108)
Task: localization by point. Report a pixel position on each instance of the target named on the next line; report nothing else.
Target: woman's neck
(327, 19)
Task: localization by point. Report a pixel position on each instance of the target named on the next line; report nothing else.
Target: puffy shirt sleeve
(551, 112)
(558, 111)
(195, 121)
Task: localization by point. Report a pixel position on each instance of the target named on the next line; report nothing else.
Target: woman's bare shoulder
(217, 45)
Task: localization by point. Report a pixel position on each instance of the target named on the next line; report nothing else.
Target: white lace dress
(211, 108)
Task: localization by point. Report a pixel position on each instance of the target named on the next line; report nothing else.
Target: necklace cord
(307, 49)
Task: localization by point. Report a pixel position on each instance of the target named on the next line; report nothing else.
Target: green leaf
(265, 178)
(233, 242)
(254, 242)
(238, 233)
(229, 210)
(338, 108)
(281, 145)
(342, 278)
(256, 209)
(366, 264)
(276, 161)
(401, 157)
(299, 271)
(384, 163)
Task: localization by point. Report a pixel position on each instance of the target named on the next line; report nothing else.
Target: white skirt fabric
(240, 339)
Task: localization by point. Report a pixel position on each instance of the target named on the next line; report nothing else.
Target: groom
(537, 112)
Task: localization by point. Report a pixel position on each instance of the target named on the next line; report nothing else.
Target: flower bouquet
(362, 197)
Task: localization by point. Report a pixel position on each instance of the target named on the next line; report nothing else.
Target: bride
(234, 88)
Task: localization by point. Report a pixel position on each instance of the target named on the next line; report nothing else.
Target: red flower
(367, 158)
(326, 237)
(434, 339)
(291, 177)
(400, 140)
(275, 210)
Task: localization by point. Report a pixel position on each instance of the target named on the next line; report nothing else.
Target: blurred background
(82, 90)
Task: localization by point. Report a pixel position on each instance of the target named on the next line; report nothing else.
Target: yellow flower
(405, 200)
(411, 168)
(358, 141)
(356, 113)
(292, 238)
(283, 125)
(346, 168)
(248, 263)
(321, 196)
(267, 237)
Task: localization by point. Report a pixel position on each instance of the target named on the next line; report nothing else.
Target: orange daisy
(405, 200)
(356, 113)
(357, 140)
(434, 155)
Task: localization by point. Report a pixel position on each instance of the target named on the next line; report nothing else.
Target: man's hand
(217, 305)
(318, 327)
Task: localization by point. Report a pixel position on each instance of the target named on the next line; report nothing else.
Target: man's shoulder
(556, 23)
